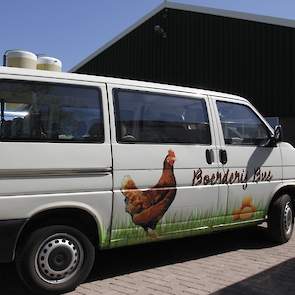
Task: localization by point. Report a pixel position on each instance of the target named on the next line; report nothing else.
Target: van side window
(145, 117)
(34, 111)
(240, 125)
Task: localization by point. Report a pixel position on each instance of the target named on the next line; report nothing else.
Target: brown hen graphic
(148, 206)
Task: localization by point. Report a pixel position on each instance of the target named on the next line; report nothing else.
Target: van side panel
(288, 156)
(39, 176)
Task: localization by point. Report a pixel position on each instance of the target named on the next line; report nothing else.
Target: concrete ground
(236, 262)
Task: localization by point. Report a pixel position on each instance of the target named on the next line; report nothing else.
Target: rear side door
(164, 156)
(252, 169)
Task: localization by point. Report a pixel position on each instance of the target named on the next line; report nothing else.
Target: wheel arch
(284, 189)
(80, 217)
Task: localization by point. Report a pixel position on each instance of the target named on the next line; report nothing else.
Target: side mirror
(278, 133)
(275, 137)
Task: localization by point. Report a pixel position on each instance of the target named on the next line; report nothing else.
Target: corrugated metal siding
(241, 57)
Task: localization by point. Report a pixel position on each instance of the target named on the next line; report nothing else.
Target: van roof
(100, 79)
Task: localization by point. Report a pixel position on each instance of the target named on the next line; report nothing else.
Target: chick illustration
(246, 210)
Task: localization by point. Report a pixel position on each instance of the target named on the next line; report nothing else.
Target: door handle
(209, 156)
(223, 156)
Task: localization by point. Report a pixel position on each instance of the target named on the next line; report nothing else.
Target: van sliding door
(164, 154)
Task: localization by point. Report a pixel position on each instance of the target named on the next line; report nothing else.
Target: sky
(71, 29)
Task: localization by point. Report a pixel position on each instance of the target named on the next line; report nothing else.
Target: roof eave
(232, 14)
(187, 7)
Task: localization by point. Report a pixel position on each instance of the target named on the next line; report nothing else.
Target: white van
(95, 163)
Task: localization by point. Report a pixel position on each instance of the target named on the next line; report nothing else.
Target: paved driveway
(237, 262)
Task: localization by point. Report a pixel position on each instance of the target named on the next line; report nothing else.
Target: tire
(55, 260)
(281, 219)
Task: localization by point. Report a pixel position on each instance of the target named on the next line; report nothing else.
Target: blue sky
(72, 29)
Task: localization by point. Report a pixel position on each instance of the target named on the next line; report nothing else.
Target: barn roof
(193, 8)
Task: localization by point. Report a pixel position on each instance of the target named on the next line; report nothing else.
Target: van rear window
(146, 117)
(34, 111)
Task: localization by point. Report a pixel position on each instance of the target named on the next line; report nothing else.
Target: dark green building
(244, 54)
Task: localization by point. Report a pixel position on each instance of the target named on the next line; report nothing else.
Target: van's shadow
(126, 260)
(131, 259)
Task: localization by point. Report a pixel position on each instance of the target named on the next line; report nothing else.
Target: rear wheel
(55, 259)
(281, 219)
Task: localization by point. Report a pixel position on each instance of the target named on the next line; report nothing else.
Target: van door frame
(278, 168)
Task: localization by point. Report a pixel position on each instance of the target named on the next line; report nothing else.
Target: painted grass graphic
(180, 224)
(104, 235)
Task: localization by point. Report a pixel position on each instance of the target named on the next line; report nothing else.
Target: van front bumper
(9, 233)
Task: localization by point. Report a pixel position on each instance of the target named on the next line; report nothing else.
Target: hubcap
(288, 218)
(59, 258)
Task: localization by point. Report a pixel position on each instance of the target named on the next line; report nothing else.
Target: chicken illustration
(148, 206)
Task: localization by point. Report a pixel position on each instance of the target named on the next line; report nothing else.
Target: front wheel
(55, 259)
(281, 219)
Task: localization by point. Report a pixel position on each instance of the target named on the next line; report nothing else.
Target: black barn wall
(251, 59)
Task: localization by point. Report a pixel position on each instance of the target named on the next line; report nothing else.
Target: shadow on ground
(278, 280)
(111, 263)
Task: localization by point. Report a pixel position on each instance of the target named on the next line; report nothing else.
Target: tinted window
(240, 125)
(33, 111)
(157, 118)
